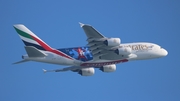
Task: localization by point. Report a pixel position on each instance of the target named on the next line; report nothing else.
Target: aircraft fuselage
(140, 50)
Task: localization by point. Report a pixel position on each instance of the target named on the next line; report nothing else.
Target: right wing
(71, 68)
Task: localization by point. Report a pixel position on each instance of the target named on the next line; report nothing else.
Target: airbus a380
(100, 52)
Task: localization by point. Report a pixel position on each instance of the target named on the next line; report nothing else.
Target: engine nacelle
(108, 68)
(86, 71)
(123, 51)
(112, 42)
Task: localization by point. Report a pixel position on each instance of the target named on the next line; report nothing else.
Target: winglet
(44, 70)
(81, 24)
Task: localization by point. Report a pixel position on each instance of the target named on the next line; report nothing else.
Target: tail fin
(30, 39)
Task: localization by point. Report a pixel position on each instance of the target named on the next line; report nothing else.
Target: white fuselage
(146, 50)
(140, 51)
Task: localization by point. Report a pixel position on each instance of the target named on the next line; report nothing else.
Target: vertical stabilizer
(30, 39)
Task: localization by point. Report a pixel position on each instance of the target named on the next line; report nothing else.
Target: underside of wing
(71, 68)
(101, 46)
(83, 71)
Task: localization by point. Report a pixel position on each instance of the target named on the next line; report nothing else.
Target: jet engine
(86, 71)
(123, 51)
(112, 42)
(108, 68)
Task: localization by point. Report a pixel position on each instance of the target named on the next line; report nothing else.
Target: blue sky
(56, 22)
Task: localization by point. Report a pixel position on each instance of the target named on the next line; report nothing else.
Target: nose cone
(164, 52)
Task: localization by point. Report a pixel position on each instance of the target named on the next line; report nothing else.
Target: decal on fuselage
(79, 53)
(140, 47)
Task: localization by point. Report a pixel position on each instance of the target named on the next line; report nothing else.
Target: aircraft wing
(90, 31)
(71, 68)
(96, 44)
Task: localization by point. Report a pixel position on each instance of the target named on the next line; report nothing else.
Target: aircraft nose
(164, 52)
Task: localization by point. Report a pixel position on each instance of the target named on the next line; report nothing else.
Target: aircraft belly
(113, 56)
(63, 61)
(141, 56)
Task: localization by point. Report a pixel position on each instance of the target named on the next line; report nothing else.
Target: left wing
(98, 44)
(91, 32)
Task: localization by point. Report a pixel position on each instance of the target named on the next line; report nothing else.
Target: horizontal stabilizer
(34, 52)
(21, 61)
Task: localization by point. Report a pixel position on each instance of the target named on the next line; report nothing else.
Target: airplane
(101, 52)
